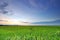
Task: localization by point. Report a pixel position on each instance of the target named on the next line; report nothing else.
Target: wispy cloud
(51, 22)
(41, 4)
(4, 20)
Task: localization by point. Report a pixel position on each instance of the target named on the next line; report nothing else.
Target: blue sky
(31, 10)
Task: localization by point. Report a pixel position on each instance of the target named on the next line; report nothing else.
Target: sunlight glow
(14, 22)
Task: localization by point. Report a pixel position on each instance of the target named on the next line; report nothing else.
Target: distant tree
(1, 25)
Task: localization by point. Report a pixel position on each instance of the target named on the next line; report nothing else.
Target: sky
(23, 12)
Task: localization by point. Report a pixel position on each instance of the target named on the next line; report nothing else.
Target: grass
(29, 32)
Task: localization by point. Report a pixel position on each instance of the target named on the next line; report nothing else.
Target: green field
(29, 32)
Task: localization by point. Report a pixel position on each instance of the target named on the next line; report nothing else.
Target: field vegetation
(29, 32)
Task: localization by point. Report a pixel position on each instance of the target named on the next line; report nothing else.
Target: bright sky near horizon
(29, 11)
